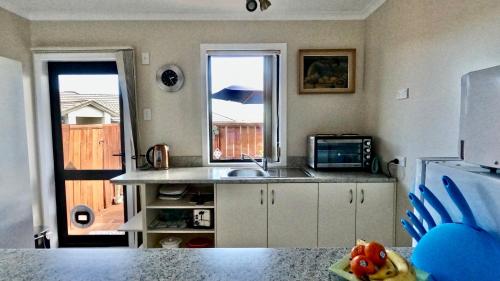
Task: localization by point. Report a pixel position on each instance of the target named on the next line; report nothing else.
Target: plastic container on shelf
(199, 242)
(170, 242)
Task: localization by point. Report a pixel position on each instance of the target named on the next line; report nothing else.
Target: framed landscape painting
(327, 71)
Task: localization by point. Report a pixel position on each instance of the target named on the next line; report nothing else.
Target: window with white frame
(244, 102)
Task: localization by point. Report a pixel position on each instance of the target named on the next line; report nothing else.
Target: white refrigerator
(480, 187)
(16, 215)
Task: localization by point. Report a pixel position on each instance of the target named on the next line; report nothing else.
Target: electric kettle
(157, 156)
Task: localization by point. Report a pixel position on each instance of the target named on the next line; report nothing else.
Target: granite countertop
(171, 264)
(219, 175)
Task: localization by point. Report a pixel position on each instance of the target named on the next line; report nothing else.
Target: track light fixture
(252, 5)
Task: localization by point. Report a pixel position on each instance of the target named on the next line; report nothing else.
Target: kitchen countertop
(219, 175)
(171, 264)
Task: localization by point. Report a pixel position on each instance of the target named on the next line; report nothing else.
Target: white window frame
(282, 93)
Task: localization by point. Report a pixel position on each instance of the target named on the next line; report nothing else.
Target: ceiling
(189, 9)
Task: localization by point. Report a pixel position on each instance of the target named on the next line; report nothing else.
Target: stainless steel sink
(247, 173)
(288, 173)
(271, 173)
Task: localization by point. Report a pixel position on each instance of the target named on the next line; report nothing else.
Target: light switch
(145, 58)
(403, 94)
(147, 114)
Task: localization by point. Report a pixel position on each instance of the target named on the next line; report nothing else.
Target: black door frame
(61, 175)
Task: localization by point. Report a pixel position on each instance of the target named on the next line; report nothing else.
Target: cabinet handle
(351, 196)
(262, 196)
(272, 196)
(362, 196)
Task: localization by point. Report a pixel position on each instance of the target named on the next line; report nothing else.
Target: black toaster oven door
(339, 153)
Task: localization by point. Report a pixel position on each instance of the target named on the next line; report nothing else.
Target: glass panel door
(88, 151)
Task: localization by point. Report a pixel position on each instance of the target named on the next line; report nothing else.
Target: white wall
(424, 45)
(177, 116)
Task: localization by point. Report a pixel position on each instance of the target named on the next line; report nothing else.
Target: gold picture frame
(327, 71)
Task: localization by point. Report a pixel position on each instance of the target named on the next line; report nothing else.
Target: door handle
(272, 196)
(362, 196)
(119, 155)
(351, 196)
(262, 196)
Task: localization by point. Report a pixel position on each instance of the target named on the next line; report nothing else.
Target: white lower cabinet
(293, 214)
(349, 211)
(241, 215)
(375, 214)
(337, 214)
(308, 215)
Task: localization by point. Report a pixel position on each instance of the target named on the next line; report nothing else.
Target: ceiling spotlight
(264, 4)
(251, 5)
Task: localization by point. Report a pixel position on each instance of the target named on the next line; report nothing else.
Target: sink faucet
(263, 166)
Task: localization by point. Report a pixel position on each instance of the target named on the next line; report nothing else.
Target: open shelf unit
(133, 224)
(183, 203)
(181, 230)
(153, 207)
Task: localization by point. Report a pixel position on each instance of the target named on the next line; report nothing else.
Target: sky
(89, 84)
(238, 71)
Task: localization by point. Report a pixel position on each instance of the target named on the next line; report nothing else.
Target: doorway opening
(87, 134)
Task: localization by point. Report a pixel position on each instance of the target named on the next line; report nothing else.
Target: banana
(405, 271)
(395, 263)
(386, 271)
(361, 242)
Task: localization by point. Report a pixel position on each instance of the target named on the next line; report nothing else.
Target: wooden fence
(91, 147)
(233, 139)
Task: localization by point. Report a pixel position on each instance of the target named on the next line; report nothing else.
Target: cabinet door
(336, 214)
(375, 212)
(241, 215)
(293, 215)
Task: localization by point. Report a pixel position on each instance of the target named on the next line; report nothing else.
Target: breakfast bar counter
(171, 264)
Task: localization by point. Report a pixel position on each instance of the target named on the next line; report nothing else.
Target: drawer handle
(272, 196)
(362, 196)
(351, 196)
(262, 196)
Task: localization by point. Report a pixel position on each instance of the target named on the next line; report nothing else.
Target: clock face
(169, 78)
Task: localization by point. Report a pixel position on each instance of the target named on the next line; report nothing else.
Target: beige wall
(424, 45)
(15, 34)
(177, 116)
(15, 44)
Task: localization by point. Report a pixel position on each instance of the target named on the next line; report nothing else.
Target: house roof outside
(71, 101)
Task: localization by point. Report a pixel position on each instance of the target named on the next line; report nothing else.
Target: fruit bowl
(342, 269)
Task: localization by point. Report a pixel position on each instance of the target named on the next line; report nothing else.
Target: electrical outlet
(403, 94)
(145, 58)
(147, 114)
(402, 161)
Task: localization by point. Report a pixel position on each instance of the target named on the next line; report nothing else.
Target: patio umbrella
(240, 94)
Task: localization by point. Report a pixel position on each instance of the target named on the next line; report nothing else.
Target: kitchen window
(244, 103)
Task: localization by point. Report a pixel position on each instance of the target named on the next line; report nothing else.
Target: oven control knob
(368, 150)
(368, 143)
(367, 156)
(367, 163)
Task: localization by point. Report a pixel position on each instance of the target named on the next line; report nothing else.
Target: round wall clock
(170, 78)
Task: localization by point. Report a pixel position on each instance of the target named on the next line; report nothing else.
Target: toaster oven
(339, 151)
